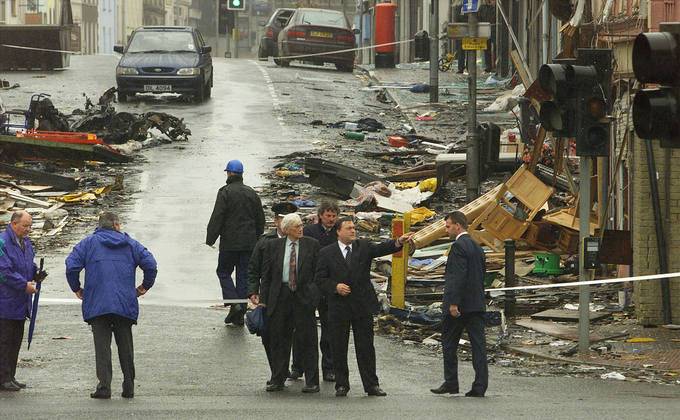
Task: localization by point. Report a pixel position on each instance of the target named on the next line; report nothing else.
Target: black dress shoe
(444, 390)
(234, 313)
(19, 384)
(341, 391)
(294, 374)
(128, 395)
(310, 389)
(9, 386)
(474, 394)
(329, 377)
(99, 394)
(273, 387)
(375, 391)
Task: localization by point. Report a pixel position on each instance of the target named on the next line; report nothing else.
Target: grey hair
(18, 215)
(290, 220)
(107, 219)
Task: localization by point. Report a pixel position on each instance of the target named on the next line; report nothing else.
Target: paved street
(189, 364)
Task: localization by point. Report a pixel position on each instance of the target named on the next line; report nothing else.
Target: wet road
(177, 187)
(189, 365)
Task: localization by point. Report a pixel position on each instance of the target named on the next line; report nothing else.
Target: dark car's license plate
(321, 34)
(157, 88)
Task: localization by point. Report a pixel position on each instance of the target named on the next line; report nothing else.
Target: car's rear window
(162, 41)
(313, 17)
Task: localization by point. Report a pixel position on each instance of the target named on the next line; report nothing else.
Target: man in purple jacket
(110, 259)
(17, 272)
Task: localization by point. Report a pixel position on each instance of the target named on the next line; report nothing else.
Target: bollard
(510, 277)
(400, 225)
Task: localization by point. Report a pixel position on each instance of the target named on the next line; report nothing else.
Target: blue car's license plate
(157, 88)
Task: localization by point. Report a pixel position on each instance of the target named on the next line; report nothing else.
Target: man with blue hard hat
(238, 220)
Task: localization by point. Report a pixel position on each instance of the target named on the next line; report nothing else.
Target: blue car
(165, 59)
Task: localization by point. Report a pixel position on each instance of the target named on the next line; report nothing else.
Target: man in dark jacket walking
(17, 272)
(343, 271)
(463, 307)
(110, 258)
(238, 220)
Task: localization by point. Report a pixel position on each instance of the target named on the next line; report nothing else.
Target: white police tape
(297, 57)
(38, 49)
(587, 283)
(145, 301)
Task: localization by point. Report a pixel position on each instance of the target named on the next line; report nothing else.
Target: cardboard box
(517, 147)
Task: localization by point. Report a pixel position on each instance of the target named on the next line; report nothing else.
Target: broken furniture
(336, 177)
(494, 212)
(17, 120)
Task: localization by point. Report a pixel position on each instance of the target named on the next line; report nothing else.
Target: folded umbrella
(34, 312)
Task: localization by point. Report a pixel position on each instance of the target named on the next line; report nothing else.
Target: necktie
(292, 272)
(348, 256)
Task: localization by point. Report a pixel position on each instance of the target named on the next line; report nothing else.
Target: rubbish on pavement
(641, 340)
(55, 181)
(613, 375)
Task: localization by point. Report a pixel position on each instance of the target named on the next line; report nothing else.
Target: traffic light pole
(472, 140)
(584, 274)
(434, 51)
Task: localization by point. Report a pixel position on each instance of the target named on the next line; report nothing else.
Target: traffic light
(559, 114)
(236, 4)
(592, 77)
(656, 59)
(226, 22)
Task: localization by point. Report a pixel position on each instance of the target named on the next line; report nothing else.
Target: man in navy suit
(290, 295)
(464, 307)
(343, 271)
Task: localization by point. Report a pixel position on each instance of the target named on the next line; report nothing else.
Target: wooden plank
(554, 330)
(567, 315)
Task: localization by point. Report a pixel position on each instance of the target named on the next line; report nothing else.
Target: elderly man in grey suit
(464, 307)
(290, 294)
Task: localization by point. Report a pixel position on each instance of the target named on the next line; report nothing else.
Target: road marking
(272, 92)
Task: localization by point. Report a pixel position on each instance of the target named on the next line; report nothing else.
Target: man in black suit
(464, 307)
(290, 295)
(324, 232)
(344, 273)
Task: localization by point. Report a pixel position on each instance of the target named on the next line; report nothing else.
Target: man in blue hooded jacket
(17, 271)
(110, 259)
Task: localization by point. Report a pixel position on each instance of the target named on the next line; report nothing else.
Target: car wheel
(122, 97)
(346, 67)
(261, 54)
(285, 63)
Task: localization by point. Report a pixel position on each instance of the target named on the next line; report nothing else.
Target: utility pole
(434, 51)
(472, 140)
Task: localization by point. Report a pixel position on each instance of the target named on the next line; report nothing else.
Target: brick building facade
(648, 294)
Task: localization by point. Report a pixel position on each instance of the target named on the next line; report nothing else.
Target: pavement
(658, 349)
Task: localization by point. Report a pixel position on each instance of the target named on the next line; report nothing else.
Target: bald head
(21, 223)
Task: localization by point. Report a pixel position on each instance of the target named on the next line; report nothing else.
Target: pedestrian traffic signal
(558, 114)
(656, 59)
(592, 77)
(236, 4)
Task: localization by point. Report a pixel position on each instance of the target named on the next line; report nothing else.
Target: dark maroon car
(314, 31)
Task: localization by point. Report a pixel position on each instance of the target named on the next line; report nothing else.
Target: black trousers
(290, 315)
(473, 322)
(324, 343)
(11, 334)
(121, 327)
(363, 345)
